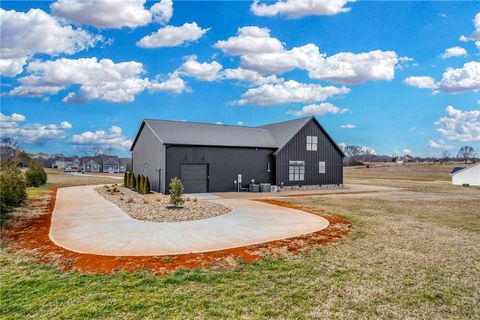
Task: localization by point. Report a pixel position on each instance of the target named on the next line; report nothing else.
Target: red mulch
(29, 235)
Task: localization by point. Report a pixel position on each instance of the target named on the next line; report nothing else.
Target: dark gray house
(211, 157)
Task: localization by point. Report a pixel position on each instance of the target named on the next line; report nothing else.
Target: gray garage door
(194, 178)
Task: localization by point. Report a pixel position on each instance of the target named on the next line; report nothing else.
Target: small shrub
(176, 191)
(12, 189)
(147, 185)
(131, 182)
(194, 199)
(139, 181)
(35, 176)
(135, 182)
(130, 200)
(141, 186)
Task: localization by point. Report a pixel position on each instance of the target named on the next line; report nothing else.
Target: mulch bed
(153, 207)
(29, 236)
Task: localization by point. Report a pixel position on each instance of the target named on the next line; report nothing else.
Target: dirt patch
(152, 207)
(28, 234)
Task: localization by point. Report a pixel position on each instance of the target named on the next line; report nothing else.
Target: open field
(57, 179)
(412, 253)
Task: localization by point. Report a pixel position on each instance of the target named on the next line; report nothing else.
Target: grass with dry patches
(413, 253)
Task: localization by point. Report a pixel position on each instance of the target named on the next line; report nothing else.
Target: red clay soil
(29, 236)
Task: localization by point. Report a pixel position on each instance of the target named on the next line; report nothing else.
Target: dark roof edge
(269, 124)
(216, 145)
(137, 135)
(465, 168)
(145, 123)
(209, 123)
(330, 138)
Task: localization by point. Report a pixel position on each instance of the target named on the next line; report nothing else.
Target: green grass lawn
(412, 253)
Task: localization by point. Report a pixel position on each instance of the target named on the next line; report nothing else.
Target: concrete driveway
(85, 222)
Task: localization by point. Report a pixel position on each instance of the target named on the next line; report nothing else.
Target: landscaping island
(155, 207)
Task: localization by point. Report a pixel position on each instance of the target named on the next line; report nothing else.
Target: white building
(469, 175)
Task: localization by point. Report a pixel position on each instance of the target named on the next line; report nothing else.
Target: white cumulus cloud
(454, 52)
(104, 139)
(201, 70)
(289, 92)
(460, 125)
(351, 68)
(318, 109)
(348, 126)
(250, 76)
(98, 79)
(173, 84)
(112, 13)
(25, 34)
(66, 125)
(462, 79)
(262, 53)
(250, 40)
(440, 144)
(422, 82)
(454, 80)
(171, 36)
(162, 11)
(475, 36)
(300, 8)
(31, 133)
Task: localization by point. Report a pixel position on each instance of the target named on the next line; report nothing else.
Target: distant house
(217, 158)
(67, 163)
(110, 164)
(106, 164)
(469, 175)
(91, 164)
(58, 164)
(125, 164)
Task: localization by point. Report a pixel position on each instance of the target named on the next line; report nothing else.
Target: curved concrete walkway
(85, 222)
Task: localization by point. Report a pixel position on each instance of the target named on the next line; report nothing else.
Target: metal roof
(194, 133)
(284, 131)
(460, 169)
(274, 135)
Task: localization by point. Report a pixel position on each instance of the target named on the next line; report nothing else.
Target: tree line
(13, 180)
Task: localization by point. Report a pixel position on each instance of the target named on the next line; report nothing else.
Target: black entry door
(194, 178)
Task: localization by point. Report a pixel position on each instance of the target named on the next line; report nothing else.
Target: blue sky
(378, 99)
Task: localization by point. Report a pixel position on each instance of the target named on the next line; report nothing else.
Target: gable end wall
(296, 150)
(149, 151)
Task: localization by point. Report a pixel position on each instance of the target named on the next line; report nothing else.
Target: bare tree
(353, 154)
(9, 148)
(353, 151)
(446, 156)
(466, 153)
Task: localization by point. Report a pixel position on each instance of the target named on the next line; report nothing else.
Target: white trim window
(321, 167)
(312, 142)
(296, 170)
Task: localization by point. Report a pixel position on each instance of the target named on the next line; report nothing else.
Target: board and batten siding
(148, 159)
(224, 164)
(296, 150)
